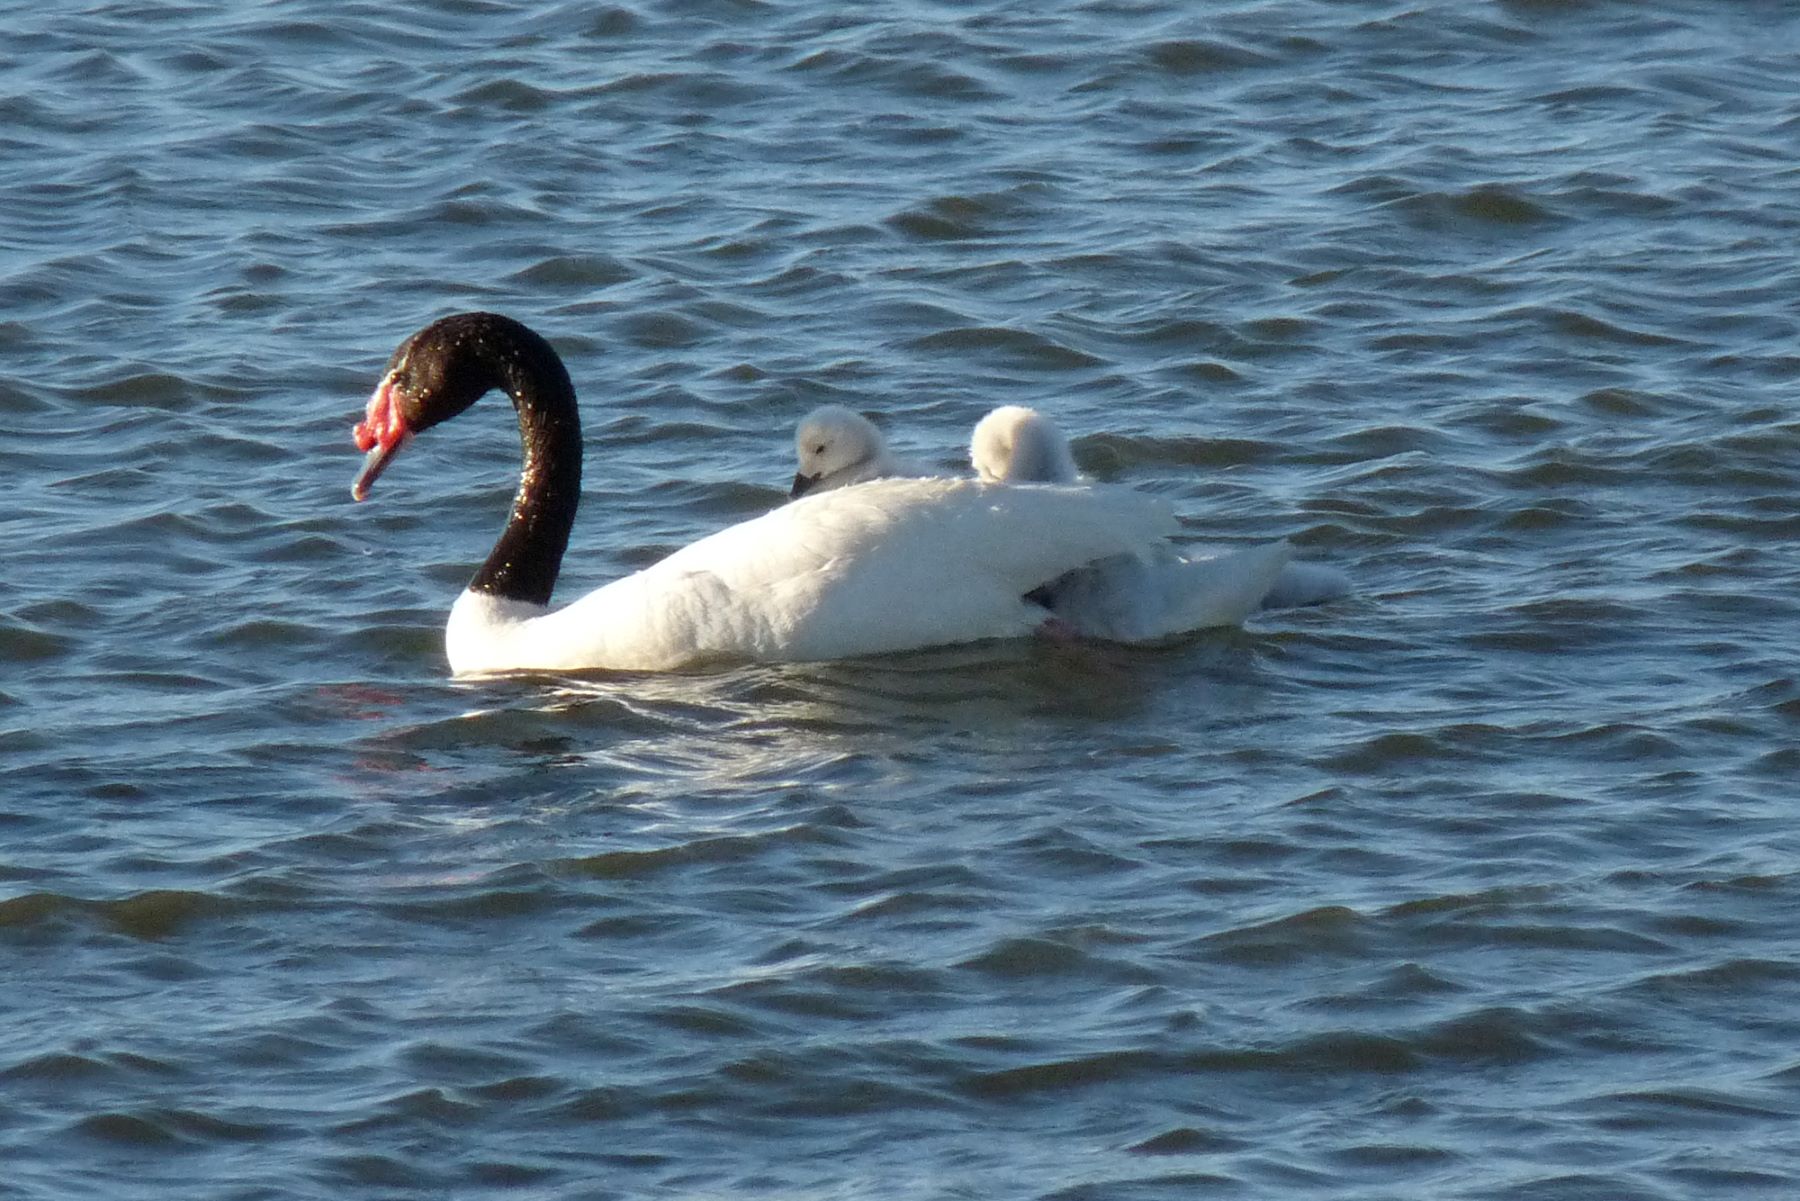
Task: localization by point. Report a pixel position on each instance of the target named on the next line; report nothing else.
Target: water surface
(1480, 884)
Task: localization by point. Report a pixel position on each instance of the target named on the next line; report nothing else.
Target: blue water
(1482, 883)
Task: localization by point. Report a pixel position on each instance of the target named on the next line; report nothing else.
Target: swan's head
(1017, 445)
(439, 372)
(834, 447)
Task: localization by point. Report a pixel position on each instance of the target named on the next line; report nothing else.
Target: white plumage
(889, 566)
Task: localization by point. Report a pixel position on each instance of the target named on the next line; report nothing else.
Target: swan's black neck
(524, 563)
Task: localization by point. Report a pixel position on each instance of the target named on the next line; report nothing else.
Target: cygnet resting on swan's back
(888, 566)
(834, 447)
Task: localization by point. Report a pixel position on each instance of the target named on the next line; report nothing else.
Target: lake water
(1483, 883)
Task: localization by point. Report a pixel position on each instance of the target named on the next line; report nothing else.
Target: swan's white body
(888, 566)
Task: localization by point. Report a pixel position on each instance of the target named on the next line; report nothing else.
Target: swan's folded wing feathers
(894, 564)
(1017, 537)
(932, 526)
(963, 558)
(1112, 521)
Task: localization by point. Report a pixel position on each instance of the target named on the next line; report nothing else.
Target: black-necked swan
(890, 565)
(834, 446)
(1016, 444)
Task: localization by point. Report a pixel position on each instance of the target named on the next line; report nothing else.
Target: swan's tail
(1306, 584)
(1133, 599)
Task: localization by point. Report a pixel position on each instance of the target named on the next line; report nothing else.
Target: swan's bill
(382, 432)
(374, 463)
(803, 484)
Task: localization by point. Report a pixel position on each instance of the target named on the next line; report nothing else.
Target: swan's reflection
(784, 724)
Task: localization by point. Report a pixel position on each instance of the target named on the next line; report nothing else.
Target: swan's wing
(891, 565)
(1138, 598)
